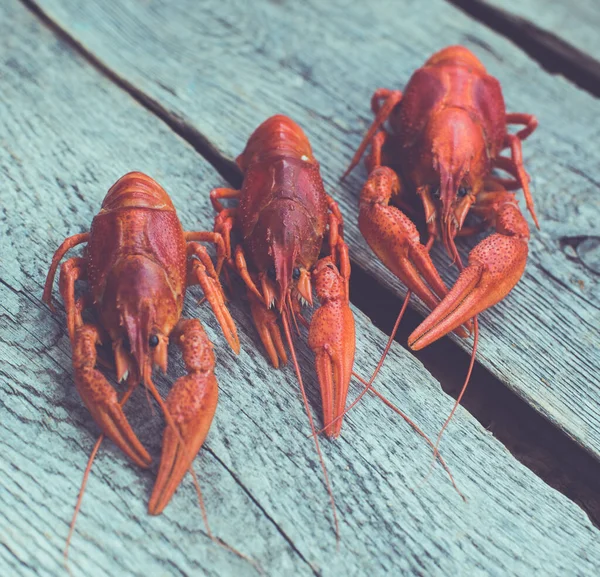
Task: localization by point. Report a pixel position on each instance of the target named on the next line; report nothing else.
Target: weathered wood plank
(575, 22)
(227, 66)
(540, 35)
(67, 134)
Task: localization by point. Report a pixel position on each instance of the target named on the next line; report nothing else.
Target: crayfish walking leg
(383, 103)
(201, 271)
(265, 320)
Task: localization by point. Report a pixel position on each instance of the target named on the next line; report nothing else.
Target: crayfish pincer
(138, 263)
(281, 222)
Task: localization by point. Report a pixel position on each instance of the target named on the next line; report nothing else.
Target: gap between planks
(224, 166)
(531, 439)
(552, 53)
(549, 452)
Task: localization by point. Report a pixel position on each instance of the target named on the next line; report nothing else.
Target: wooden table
(91, 89)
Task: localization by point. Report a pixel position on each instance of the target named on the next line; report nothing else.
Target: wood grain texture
(66, 135)
(540, 35)
(577, 22)
(223, 67)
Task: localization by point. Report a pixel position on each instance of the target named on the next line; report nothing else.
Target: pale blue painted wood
(66, 134)
(221, 68)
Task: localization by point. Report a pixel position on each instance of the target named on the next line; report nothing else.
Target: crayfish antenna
(84, 481)
(149, 383)
(150, 403)
(132, 384)
(417, 430)
(462, 391)
(293, 313)
(288, 334)
(218, 540)
(460, 266)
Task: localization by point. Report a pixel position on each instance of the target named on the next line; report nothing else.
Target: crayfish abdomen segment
(136, 189)
(454, 56)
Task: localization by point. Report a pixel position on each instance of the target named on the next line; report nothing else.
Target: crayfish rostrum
(138, 263)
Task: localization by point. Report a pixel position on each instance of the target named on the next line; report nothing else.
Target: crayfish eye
(296, 273)
(462, 192)
(153, 341)
(436, 193)
(271, 272)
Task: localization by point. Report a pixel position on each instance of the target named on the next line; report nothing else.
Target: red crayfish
(138, 263)
(445, 137)
(281, 221)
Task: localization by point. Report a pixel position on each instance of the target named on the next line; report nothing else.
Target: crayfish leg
(216, 194)
(338, 249)
(376, 158)
(66, 245)
(391, 98)
(515, 166)
(72, 270)
(214, 237)
(265, 321)
(201, 271)
(528, 120)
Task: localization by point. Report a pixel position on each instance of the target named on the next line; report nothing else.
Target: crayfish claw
(101, 399)
(394, 238)
(191, 403)
(495, 266)
(332, 338)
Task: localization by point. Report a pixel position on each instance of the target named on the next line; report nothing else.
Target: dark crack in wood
(554, 54)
